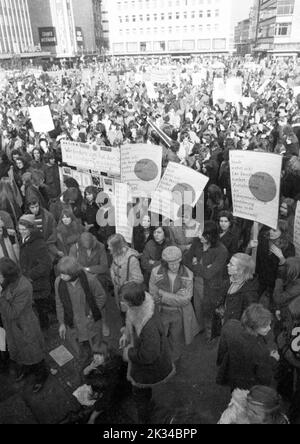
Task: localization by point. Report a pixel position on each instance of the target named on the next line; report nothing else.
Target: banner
(41, 119)
(92, 157)
(297, 230)
(234, 90)
(179, 185)
(255, 183)
(122, 198)
(141, 166)
(219, 92)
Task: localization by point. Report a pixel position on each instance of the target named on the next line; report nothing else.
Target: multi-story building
(242, 37)
(65, 28)
(168, 26)
(15, 28)
(279, 27)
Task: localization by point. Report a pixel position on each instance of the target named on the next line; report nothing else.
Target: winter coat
(177, 298)
(49, 232)
(67, 236)
(152, 252)
(125, 269)
(243, 359)
(97, 262)
(52, 180)
(231, 242)
(36, 264)
(237, 303)
(149, 359)
(284, 294)
(23, 334)
(211, 267)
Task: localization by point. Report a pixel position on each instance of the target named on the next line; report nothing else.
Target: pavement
(191, 396)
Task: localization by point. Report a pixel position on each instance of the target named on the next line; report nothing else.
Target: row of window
(170, 16)
(171, 45)
(171, 29)
(278, 30)
(139, 4)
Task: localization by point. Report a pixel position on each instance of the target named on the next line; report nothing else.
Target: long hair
(117, 244)
(10, 271)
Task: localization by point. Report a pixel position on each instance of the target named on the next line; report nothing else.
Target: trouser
(42, 308)
(4, 361)
(173, 324)
(39, 370)
(142, 399)
(198, 301)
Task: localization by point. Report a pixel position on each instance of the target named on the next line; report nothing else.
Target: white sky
(241, 9)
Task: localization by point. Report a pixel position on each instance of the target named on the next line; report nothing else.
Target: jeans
(42, 307)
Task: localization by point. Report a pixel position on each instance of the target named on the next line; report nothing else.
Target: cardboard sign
(179, 185)
(152, 94)
(122, 198)
(219, 92)
(92, 157)
(141, 166)
(297, 230)
(255, 182)
(41, 119)
(61, 356)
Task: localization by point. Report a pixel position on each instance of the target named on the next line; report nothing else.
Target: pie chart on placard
(263, 187)
(183, 193)
(146, 170)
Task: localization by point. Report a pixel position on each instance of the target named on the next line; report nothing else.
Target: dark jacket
(149, 356)
(52, 180)
(285, 294)
(36, 264)
(243, 359)
(152, 252)
(23, 334)
(231, 242)
(211, 267)
(237, 303)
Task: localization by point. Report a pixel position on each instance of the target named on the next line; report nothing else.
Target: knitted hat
(172, 254)
(28, 221)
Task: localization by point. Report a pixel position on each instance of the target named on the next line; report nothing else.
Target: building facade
(138, 27)
(242, 40)
(15, 28)
(279, 27)
(65, 28)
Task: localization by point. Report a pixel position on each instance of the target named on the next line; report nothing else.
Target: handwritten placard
(179, 185)
(92, 157)
(122, 198)
(141, 166)
(255, 182)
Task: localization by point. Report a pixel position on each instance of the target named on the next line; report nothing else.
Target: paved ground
(192, 391)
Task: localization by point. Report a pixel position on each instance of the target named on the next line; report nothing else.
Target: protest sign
(92, 157)
(296, 91)
(179, 185)
(255, 182)
(247, 101)
(219, 92)
(122, 198)
(152, 94)
(141, 168)
(41, 119)
(234, 90)
(2, 340)
(198, 77)
(61, 356)
(297, 230)
(263, 87)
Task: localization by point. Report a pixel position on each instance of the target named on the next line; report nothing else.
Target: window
(285, 7)
(162, 16)
(208, 13)
(283, 29)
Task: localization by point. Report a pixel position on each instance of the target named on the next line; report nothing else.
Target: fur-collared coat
(179, 296)
(149, 358)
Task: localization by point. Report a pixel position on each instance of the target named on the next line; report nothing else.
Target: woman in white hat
(171, 285)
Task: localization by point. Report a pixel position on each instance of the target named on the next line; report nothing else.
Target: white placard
(179, 185)
(296, 90)
(92, 157)
(122, 198)
(141, 166)
(234, 90)
(198, 77)
(152, 94)
(61, 356)
(262, 88)
(2, 340)
(297, 230)
(41, 119)
(255, 183)
(219, 92)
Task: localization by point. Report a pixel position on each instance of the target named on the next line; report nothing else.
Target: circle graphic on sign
(183, 194)
(263, 187)
(146, 170)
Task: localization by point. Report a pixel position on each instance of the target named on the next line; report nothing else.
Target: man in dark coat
(36, 264)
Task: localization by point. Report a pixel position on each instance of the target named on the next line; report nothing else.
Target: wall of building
(41, 17)
(158, 26)
(84, 18)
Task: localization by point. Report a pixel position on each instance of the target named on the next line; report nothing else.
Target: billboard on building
(48, 36)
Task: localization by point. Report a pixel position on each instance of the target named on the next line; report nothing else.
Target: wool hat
(28, 221)
(172, 254)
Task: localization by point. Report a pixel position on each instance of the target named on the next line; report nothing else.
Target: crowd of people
(60, 254)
